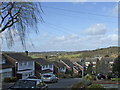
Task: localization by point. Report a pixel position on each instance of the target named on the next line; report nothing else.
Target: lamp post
(82, 67)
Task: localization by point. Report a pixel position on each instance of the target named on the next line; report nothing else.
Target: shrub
(10, 79)
(78, 85)
(82, 84)
(13, 79)
(93, 77)
(97, 86)
(88, 77)
(6, 79)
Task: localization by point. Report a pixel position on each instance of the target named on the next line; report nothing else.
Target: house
(109, 61)
(43, 66)
(70, 66)
(91, 60)
(24, 66)
(6, 68)
(59, 67)
(78, 64)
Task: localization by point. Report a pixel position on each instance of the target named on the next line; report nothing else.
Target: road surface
(62, 83)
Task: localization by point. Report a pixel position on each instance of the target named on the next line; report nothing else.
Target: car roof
(48, 74)
(32, 79)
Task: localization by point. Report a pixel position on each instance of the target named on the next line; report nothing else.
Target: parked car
(49, 78)
(29, 83)
(100, 76)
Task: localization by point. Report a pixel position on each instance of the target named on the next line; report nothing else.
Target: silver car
(49, 78)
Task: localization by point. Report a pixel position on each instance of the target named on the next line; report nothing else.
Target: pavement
(108, 86)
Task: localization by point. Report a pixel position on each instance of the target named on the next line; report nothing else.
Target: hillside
(76, 55)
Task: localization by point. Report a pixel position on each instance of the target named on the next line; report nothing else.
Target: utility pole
(82, 67)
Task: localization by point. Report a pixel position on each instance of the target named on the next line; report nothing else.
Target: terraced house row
(22, 66)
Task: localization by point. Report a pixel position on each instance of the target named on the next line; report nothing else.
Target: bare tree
(21, 17)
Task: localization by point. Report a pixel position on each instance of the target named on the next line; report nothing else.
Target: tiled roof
(68, 62)
(19, 56)
(7, 64)
(43, 61)
(80, 63)
(91, 60)
(58, 64)
(107, 59)
(77, 68)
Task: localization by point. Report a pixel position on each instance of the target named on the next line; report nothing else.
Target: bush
(88, 77)
(82, 84)
(10, 79)
(97, 86)
(93, 77)
(78, 85)
(6, 79)
(13, 79)
(115, 79)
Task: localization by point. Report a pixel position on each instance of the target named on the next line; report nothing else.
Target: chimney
(46, 57)
(26, 52)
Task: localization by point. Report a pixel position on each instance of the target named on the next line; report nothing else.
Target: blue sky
(73, 26)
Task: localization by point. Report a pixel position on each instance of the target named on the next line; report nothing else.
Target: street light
(82, 67)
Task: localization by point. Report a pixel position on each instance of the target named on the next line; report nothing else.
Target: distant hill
(56, 55)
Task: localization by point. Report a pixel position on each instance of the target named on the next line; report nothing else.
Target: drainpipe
(16, 68)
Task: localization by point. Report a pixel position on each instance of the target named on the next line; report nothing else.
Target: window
(43, 66)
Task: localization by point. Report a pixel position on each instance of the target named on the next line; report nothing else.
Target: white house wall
(47, 67)
(26, 65)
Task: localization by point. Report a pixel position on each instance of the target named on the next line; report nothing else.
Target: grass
(96, 86)
(34, 57)
(115, 79)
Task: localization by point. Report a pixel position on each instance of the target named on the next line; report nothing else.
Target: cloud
(114, 11)
(45, 35)
(74, 36)
(96, 29)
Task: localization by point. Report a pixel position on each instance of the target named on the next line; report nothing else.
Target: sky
(73, 26)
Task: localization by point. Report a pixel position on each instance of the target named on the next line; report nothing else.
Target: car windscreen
(46, 75)
(25, 84)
